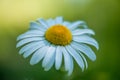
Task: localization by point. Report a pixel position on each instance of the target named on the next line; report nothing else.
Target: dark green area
(103, 16)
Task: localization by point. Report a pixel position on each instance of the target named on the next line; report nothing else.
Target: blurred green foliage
(103, 16)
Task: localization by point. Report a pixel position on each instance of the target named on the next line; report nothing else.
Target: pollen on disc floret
(58, 35)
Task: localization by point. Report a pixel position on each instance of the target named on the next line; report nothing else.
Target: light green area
(103, 16)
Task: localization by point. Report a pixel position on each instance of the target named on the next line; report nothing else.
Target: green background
(103, 16)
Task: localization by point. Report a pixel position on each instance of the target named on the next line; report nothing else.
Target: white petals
(71, 66)
(85, 49)
(29, 35)
(36, 26)
(50, 64)
(59, 20)
(58, 58)
(49, 56)
(82, 31)
(38, 55)
(76, 24)
(27, 40)
(67, 24)
(76, 56)
(43, 22)
(50, 22)
(86, 64)
(87, 40)
(28, 47)
(68, 61)
(33, 49)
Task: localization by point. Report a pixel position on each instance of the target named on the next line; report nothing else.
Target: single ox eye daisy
(54, 39)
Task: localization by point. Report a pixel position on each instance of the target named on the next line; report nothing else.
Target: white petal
(58, 58)
(59, 20)
(85, 49)
(76, 24)
(76, 56)
(50, 22)
(27, 40)
(29, 35)
(34, 32)
(43, 22)
(33, 49)
(82, 31)
(38, 55)
(86, 64)
(49, 55)
(68, 61)
(28, 46)
(87, 40)
(71, 66)
(36, 26)
(50, 64)
(67, 24)
(31, 32)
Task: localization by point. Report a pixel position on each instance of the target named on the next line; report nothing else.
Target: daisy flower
(54, 39)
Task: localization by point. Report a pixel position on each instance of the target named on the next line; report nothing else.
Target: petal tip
(32, 63)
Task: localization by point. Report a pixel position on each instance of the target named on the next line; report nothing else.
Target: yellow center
(58, 35)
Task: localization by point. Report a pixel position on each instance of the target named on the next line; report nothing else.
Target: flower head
(53, 39)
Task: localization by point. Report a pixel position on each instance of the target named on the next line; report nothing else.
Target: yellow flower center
(58, 35)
